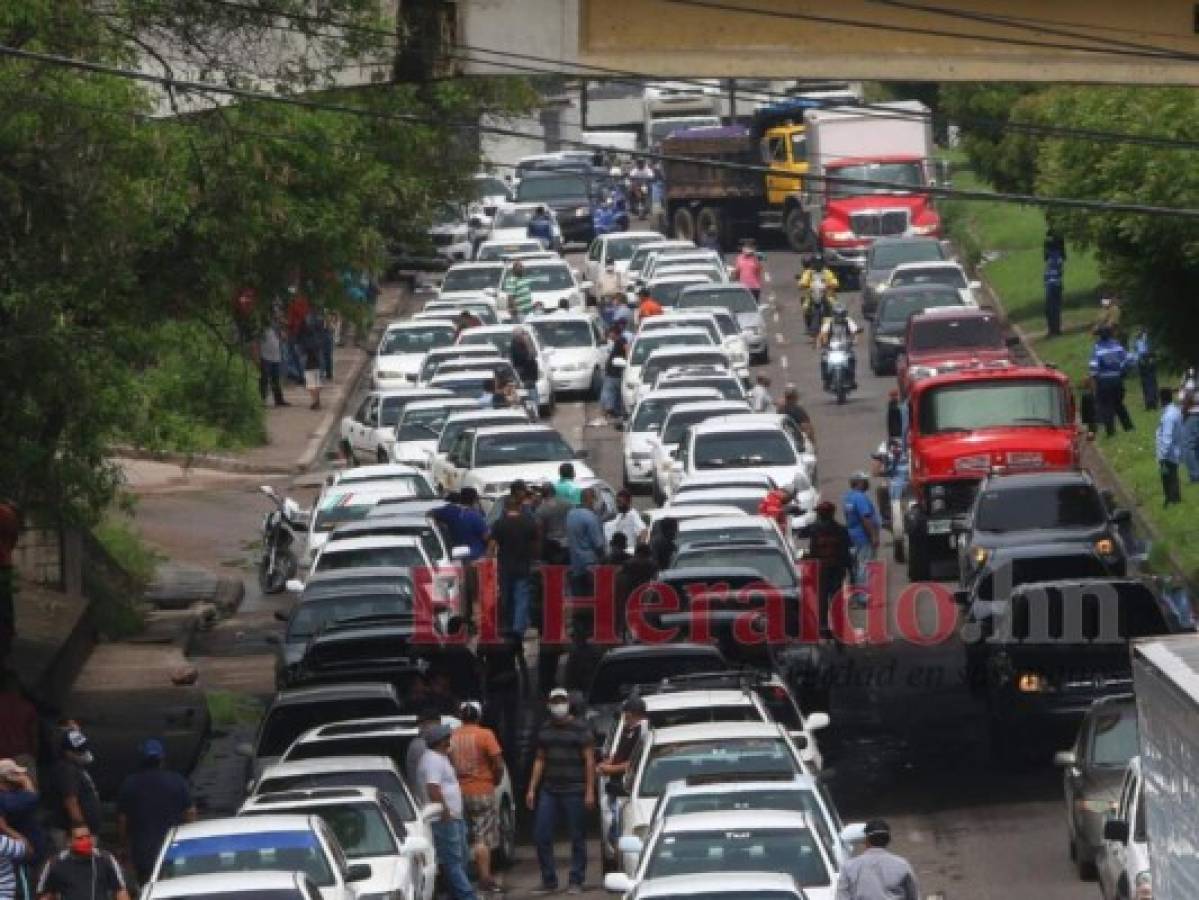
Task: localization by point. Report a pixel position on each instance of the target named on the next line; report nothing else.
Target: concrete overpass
(1098, 41)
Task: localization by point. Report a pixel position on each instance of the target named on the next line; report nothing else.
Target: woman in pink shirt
(749, 269)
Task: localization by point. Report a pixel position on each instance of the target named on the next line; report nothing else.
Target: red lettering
(907, 614)
(699, 608)
(765, 622)
(486, 574)
(641, 602)
(809, 601)
(426, 606)
(553, 604)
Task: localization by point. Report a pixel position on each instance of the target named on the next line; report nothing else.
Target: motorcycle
(639, 198)
(817, 303)
(278, 563)
(836, 363)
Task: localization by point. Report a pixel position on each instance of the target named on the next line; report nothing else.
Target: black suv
(1065, 509)
(887, 253)
(571, 194)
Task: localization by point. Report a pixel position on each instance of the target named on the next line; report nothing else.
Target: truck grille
(958, 495)
(879, 224)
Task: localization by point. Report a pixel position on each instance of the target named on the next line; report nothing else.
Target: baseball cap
(75, 741)
(877, 828)
(435, 734)
(559, 693)
(151, 748)
(633, 704)
(10, 768)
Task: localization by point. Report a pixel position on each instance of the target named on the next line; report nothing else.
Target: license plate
(940, 526)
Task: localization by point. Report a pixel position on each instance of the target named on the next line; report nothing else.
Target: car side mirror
(431, 812)
(617, 882)
(1116, 830)
(414, 845)
(816, 721)
(358, 872)
(853, 833)
(1065, 759)
(294, 585)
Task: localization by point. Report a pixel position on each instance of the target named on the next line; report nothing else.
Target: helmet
(840, 313)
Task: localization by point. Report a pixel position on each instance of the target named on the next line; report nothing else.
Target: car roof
(378, 573)
(378, 542)
(423, 393)
(714, 405)
(749, 883)
(929, 264)
(696, 699)
(696, 511)
(419, 323)
(369, 474)
(559, 317)
(464, 349)
(671, 393)
(734, 819)
(473, 415)
(704, 731)
(686, 350)
(717, 492)
(441, 403)
(737, 477)
(735, 783)
(1037, 479)
(617, 235)
(218, 827)
(224, 884)
(309, 798)
(937, 312)
(725, 424)
(350, 690)
(709, 523)
(640, 651)
(358, 762)
(375, 726)
(686, 331)
(677, 278)
(463, 376)
(475, 264)
(728, 287)
(517, 428)
(500, 328)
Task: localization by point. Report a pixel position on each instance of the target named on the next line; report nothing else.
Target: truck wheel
(683, 223)
(710, 220)
(799, 235)
(917, 556)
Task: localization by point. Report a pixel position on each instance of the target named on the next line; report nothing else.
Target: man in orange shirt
(647, 306)
(479, 762)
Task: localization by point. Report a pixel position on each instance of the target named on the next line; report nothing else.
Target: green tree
(981, 112)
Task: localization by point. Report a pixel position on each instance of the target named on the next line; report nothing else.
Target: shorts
(312, 379)
(482, 820)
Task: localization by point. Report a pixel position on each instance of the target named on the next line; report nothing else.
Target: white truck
(1166, 682)
(667, 112)
(889, 143)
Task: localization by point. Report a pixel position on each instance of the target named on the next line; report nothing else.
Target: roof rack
(731, 679)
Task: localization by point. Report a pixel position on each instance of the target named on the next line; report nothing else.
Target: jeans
(1148, 374)
(294, 360)
(1190, 446)
(449, 843)
(862, 554)
(514, 603)
(1109, 404)
(610, 400)
(534, 397)
(327, 354)
(1170, 486)
(569, 806)
(268, 376)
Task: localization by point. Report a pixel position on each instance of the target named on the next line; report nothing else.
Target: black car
(1065, 509)
(571, 194)
(1043, 656)
(889, 325)
(887, 253)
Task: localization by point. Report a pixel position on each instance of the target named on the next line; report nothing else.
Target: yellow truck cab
(785, 150)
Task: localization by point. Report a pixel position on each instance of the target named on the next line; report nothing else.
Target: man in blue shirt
(541, 228)
(861, 519)
(1109, 361)
(152, 801)
(585, 543)
(466, 524)
(1169, 446)
(1142, 350)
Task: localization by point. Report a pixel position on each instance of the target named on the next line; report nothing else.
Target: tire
(659, 497)
(710, 220)
(381, 457)
(839, 388)
(505, 854)
(682, 222)
(348, 452)
(1084, 867)
(285, 570)
(597, 384)
(918, 556)
(799, 235)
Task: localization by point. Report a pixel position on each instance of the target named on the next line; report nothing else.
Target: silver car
(738, 301)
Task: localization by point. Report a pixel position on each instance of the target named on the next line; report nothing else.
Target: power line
(408, 118)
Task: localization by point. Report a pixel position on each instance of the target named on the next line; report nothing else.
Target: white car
(740, 303)
(500, 337)
(472, 382)
(246, 885)
(574, 350)
(372, 552)
(469, 281)
(641, 256)
(732, 529)
(666, 358)
(420, 425)
(726, 843)
(685, 256)
(1123, 858)
(369, 433)
(644, 346)
(352, 502)
(500, 251)
(730, 386)
(369, 829)
(664, 447)
(616, 248)
(451, 236)
(645, 423)
(944, 272)
(719, 322)
(492, 458)
(511, 223)
(760, 444)
(334, 768)
(402, 349)
(443, 475)
(666, 288)
(550, 281)
(711, 886)
(750, 499)
(436, 358)
(231, 846)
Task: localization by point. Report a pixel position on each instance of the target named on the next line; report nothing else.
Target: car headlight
(1032, 683)
(1105, 547)
(582, 211)
(979, 555)
(924, 229)
(839, 235)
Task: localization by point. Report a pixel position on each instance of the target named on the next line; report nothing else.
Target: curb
(333, 416)
(203, 461)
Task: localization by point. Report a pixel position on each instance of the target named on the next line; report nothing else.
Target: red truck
(951, 339)
(965, 424)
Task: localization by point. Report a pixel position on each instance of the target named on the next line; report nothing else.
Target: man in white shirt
(627, 522)
(759, 396)
(440, 784)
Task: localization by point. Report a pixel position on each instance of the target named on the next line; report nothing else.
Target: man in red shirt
(647, 306)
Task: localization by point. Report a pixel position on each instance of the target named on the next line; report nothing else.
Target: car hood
(459, 295)
(958, 358)
(408, 363)
(507, 235)
(996, 540)
(749, 319)
(562, 356)
(414, 451)
(639, 441)
(388, 873)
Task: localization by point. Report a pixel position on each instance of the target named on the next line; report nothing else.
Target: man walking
(72, 798)
(628, 521)
(1054, 266)
(861, 520)
(524, 360)
(748, 267)
(562, 786)
(877, 873)
(1169, 446)
(550, 517)
(82, 872)
(566, 487)
(514, 544)
(541, 228)
(152, 801)
(270, 364)
(479, 762)
(830, 545)
(519, 291)
(440, 783)
(636, 721)
(791, 408)
(584, 542)
(19, 808)
(759, 396)
(1108, 363)
(14, 850)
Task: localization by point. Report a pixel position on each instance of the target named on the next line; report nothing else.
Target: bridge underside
(1099, 41)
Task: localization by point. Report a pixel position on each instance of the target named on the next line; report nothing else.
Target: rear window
(311, 616)
(896, 310)
(940, 275)
(1063, 506)
(286, 723)
(974, 333)
(888, 256)
(402, 557)
(614, 680)
(735, 301)
(740, 450)
(271, 851)
(678, 762)
(668, 718)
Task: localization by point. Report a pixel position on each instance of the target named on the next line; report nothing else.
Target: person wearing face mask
(562, 786)
(70, 792)
(82, 872)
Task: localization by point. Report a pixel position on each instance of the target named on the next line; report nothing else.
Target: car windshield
(464, 387)
(772, 566)
(390, 409)
(270, 851)
(387, 782)
(547, 278)
(613, 680)
(360, 829)
(973, 333)
(889, 255)
(910, 174)
(743, 450)
(647, 344)
(514, 218)
(501, 340)
(651, 412)
(313, 615)
(449, 434)
(683, 760)
(696, 715)
(680, 421)
(655, 367)
(567, 188)
(422, 424)
(472, 279)
(1010, 403)
(735, 300)
(896, 310)
(667, 292)
(1114, 736)
(339, 507)
(336, 558)
(420, 339)
(622, 248)
(722, 534)
(1023, 509)
(943, 275)
(642, 255)
(287, 722)
(490, 252)
(516, 447)
(747, 503)
(662, 128)
(666, 323)
(563, 334)
(791, 851)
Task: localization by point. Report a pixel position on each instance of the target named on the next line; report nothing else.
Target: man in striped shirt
(13, 849)
(520, 291)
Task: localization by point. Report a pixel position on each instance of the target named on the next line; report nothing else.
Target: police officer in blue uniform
(1108, 365)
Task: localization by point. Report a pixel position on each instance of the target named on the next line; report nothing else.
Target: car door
(362, 439)
(594, 264)
(1113, 853)
(460, 461)
(350, 424)
(679, 467)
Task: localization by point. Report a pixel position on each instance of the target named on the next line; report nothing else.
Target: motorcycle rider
(640, 179)
(840, 330)
(604, 218)
(817, 273)
(541, 227)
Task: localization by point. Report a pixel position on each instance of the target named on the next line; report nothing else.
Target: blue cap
(151, 748)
